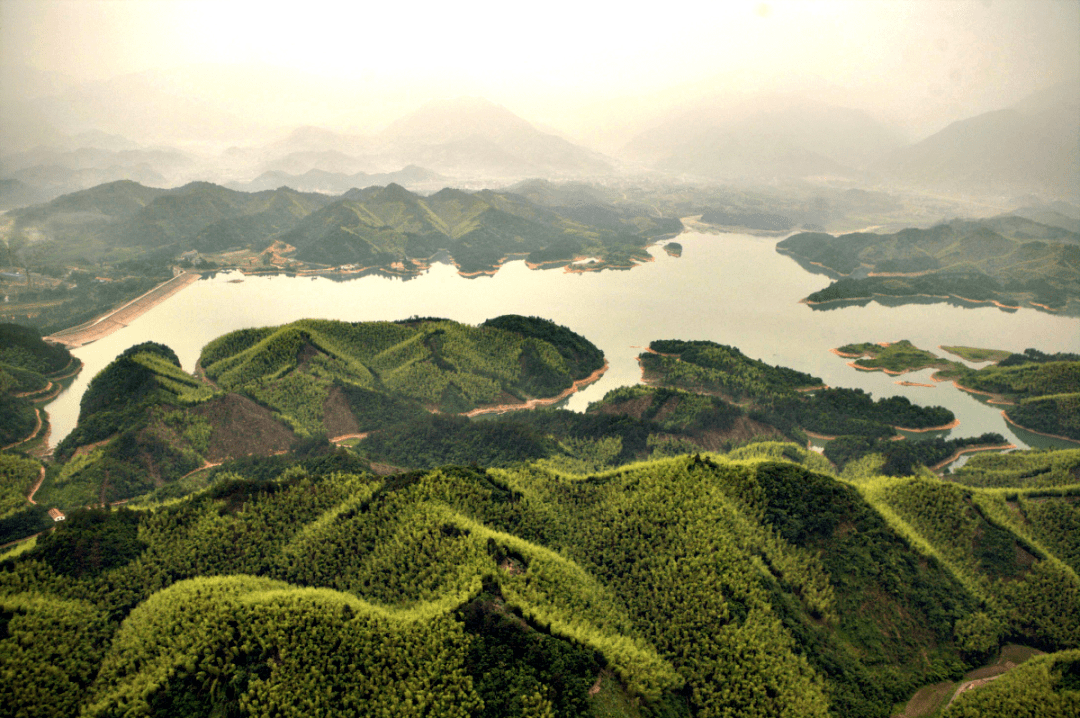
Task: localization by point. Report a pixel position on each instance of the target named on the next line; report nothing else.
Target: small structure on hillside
(191, 256)
(57, 514)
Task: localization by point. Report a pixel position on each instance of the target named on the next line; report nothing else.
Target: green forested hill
(381, 225)
(691, 586)
(28, 366)
(531, 565)
(385, 371)
(198, 215)
(794, 403)
(144, 423)
(375, 227)
(1009, 260)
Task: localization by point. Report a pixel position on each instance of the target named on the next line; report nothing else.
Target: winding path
(34, 490)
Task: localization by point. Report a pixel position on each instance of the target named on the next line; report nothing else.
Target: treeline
(711, 367)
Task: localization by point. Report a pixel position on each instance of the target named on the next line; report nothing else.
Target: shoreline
(944, 427)
(1040, 433)
(825, 437)
(998, 399)
(940, 297)
(893, 372)
(969, 450)
(119, 318)
(533, 403)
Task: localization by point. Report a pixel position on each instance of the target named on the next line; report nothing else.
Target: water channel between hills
(729, 288)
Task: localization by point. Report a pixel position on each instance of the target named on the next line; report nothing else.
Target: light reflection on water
(728, 288)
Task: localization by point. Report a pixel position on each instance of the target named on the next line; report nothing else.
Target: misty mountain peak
(458, 118)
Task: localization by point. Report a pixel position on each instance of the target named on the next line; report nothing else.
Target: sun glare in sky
(894, 53)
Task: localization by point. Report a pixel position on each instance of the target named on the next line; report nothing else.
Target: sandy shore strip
(994, 398)
(120, 318)
(533, 403)
(1040, 433)
(970, 450)
(951, 425)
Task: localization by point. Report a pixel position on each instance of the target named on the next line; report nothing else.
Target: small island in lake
(1041, 391)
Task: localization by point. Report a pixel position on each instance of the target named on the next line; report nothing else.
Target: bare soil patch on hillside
(241, 428)
(337, 416)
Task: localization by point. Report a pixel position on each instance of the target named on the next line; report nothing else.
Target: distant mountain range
(475, 136)
(1033, 146)
(763, 137)
(319, 180)
(374, 227)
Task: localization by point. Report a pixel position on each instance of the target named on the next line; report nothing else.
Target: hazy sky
(909, 60)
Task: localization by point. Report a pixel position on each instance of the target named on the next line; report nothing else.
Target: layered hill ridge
(381, 225)
(552, 571)
(509, 589)
(377, 226)
(1007, 260)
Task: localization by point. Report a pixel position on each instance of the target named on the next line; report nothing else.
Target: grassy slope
(390, 370)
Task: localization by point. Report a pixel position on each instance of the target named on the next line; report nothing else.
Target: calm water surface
(728, 288)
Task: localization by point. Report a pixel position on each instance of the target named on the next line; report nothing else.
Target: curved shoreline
(1040, 433)
(998, 399)
(533, 403)
(944, 427)
(940, 297)
(969, 450)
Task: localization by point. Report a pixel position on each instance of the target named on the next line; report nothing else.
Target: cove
(729, 288)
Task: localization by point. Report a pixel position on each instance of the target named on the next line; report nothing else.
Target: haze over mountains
(162, 130)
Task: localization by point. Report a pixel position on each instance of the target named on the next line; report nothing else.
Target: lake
(729, 288)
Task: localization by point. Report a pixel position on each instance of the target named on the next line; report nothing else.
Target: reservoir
(728, 288)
